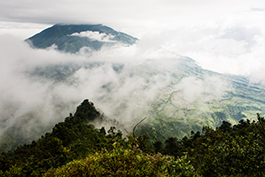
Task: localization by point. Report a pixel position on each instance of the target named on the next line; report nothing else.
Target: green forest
(76, 148)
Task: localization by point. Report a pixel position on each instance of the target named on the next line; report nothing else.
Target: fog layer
(41, 87)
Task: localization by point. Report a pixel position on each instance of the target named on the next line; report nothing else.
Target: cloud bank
(229, 45)
(223, 36)
(95, 35)
(41, 87)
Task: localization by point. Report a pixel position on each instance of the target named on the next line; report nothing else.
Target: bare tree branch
(137, 125)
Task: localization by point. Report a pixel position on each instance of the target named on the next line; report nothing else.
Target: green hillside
(76, 139)
(76, 148)
(172, 115)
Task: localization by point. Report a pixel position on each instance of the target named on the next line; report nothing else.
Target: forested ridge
(75, 148)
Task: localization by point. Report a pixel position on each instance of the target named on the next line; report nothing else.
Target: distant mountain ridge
(71, 38)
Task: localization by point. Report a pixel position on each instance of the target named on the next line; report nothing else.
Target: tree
(171, 146)
(158, 145)
(226, 126)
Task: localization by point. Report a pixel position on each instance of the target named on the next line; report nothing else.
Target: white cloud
(208, 89)
(95, 35)
(20, 29)
(228, 45)
(120, 15)
(124, 95)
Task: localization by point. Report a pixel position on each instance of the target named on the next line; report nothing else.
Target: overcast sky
(124, 14)
(225, 36)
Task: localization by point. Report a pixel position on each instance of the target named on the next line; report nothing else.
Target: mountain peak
(71, 38)
(85, 112)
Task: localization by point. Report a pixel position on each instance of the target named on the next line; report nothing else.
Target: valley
(173, 92)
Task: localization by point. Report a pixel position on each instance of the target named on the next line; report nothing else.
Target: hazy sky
(133, 16)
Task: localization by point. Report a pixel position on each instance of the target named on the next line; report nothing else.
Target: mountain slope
(74, 138)
(75, 147)
(193, 98)
(68, 38)
(197, 97)
(172, 91)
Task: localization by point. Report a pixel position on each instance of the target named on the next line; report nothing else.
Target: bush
(125, 162)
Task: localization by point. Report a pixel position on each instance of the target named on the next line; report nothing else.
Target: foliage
(125, 162)
(226, 151)
(72, 139)
(75, 147)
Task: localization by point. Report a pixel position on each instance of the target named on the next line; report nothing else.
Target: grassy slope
(177, 118)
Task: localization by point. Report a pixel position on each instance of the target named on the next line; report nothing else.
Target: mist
(41, 87)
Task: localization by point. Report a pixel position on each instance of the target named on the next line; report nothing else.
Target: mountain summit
(71, 38)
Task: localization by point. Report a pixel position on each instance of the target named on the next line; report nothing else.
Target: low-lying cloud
(231, 45)
(40, 87)
(207, 89)
(95, 35)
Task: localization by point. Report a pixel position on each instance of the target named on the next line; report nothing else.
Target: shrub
(125, 162)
